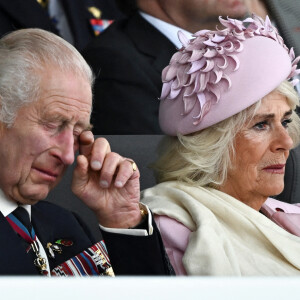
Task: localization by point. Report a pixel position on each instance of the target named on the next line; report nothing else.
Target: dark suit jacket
(129, 255)
(17, 14)
(286, 14)
(127, 59)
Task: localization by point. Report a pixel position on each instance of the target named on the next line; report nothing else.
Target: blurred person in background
(77, 21)
(129, 56)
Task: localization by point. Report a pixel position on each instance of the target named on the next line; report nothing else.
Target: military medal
(95, 11)
(64, 242)
(28, 234)
(39, 262)
(53, 248)
(57, 246)
(93, 261)
(43, 3)
(97, 23)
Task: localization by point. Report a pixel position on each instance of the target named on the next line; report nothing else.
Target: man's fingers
(109, 168)
(80, 173)
(94, 150)
(86, 141)
(100, 149)
(116, 170)
(126, 170)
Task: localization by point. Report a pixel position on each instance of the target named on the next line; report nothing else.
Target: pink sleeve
(175, 237)
(285, 215)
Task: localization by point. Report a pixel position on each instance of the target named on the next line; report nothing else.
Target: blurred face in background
(215, 8)
(193, 15)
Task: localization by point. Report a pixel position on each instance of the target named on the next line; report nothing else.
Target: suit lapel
(42, 226)
(51, 226)
(161, 49)
(45, 231)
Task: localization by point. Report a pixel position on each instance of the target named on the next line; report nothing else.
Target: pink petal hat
(217, 74)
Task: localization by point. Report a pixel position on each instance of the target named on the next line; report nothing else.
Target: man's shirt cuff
(133, 231)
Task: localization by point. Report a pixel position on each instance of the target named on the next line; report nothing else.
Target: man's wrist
(135, 231)
(128, 218)
(143, 224)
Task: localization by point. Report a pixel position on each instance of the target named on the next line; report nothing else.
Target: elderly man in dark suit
(46, 97)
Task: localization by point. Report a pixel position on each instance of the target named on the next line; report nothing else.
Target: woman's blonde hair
(203, 158)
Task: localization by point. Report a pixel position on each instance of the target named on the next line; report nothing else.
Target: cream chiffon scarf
(228, 237)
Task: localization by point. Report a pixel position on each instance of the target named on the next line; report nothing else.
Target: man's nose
(65, 144)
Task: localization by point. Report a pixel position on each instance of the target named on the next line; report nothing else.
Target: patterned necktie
(20, 222)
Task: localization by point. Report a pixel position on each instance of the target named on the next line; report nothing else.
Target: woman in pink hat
(227, 106)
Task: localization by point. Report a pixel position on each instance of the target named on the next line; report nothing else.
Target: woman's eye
(261, 125)
(285, 123)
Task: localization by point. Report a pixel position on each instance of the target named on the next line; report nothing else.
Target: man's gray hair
(24, 56)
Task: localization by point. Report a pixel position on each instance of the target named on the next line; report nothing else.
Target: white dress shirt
(168, 30)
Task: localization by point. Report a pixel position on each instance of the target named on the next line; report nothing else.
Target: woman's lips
(275, 169)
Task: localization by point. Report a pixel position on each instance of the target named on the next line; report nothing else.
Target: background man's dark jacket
(127, 59)
(17, 14)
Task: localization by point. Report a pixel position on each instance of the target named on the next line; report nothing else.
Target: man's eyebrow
(53, 117)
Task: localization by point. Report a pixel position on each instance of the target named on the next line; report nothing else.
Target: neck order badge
(19, 221)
